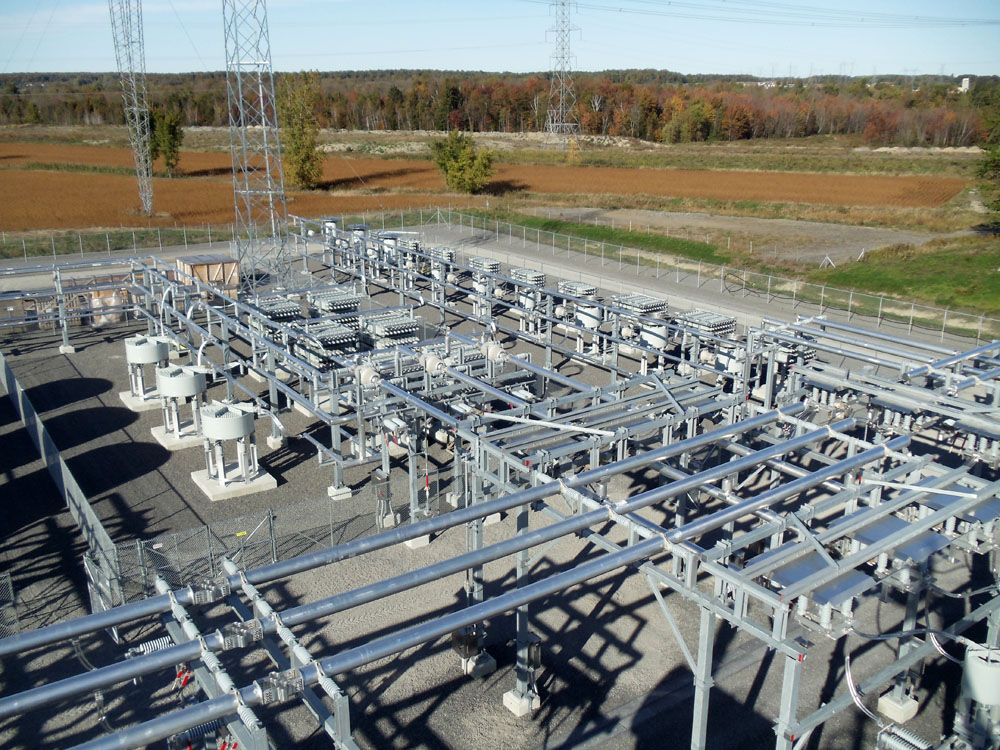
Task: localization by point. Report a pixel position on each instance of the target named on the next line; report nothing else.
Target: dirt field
(68, 200)
(103, 199)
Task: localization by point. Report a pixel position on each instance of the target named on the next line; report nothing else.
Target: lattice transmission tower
(561, 118)
(258, 183)
(126, 27)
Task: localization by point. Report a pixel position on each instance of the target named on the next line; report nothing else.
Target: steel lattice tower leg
(126, 27)
(258, 184)
(561, 118)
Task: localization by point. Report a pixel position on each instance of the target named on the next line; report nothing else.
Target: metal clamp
(278, 687)
(208, 592)
(242, 634)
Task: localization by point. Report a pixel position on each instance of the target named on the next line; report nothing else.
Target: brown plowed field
(68, 200)
(36, 199)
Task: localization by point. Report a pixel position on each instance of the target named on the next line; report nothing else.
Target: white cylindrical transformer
(226, 422)
(146, 350)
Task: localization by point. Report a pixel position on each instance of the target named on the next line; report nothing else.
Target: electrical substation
(354, 487)
(556, 497)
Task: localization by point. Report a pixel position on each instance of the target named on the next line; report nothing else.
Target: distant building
(964, 88)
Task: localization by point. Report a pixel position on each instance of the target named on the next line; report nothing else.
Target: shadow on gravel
(83, 425)
(107, 467)
(59, 393)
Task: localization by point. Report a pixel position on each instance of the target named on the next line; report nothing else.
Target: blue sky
(698, 36)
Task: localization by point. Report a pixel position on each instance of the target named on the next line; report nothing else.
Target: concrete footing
(215, 491)
(897, 711)
(282, 375)
(390, 521)
(492, 518)
(521, 705)
(67, 349)
(339, 493)
(276, 442)
(479, 665)
(174, 442)
(420, 541)
(150, 403)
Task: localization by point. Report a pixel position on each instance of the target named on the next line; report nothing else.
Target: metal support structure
(560, 120)
(258, 182)
(703, 681)
(126, 28)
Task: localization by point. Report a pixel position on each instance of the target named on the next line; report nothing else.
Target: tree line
(650, 105)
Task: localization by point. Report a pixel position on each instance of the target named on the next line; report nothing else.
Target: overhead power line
(778, 14)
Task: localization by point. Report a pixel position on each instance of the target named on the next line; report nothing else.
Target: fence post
(769, 277)
(722, 280)
(744, 283)
(698, 282)
(822, 297)
(912, 306)
(850, 301)
(185, 237)
(209, 234)
(979, 333)
(274, 541)
(878, 321)
(944, 323)
(79, 238)
(159, 239)
(53, 239)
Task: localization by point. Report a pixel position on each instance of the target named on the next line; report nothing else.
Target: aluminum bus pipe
(955, 359)
(105, 677)
(694, 481)
(824, 323)
(529, 495)
(733, 513)
(850, 340)
(860, 356)
(178, 721)
(155, 605)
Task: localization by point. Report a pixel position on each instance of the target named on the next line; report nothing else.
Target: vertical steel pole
(703, 681)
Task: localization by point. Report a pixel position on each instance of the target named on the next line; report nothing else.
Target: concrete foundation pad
(67, 349)
(479, 665)
(897, 711)
(215, 491)
(492, 518)
(521, 705)
(172, 442)
(282, 375)
(150, 403)
(339, 493)
(390, 521)
(420, 541)
(324, 404)
(276, 442)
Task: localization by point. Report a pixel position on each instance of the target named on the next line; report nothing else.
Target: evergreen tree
(297, 102)
(166, 137)
(465, 167)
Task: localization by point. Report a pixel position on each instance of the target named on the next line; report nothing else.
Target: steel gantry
(752, 477)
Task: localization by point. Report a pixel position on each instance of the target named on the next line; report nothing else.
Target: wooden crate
(220, 272)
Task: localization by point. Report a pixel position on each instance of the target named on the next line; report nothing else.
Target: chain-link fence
(9, 624)
(182, 558)
(54, 244)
